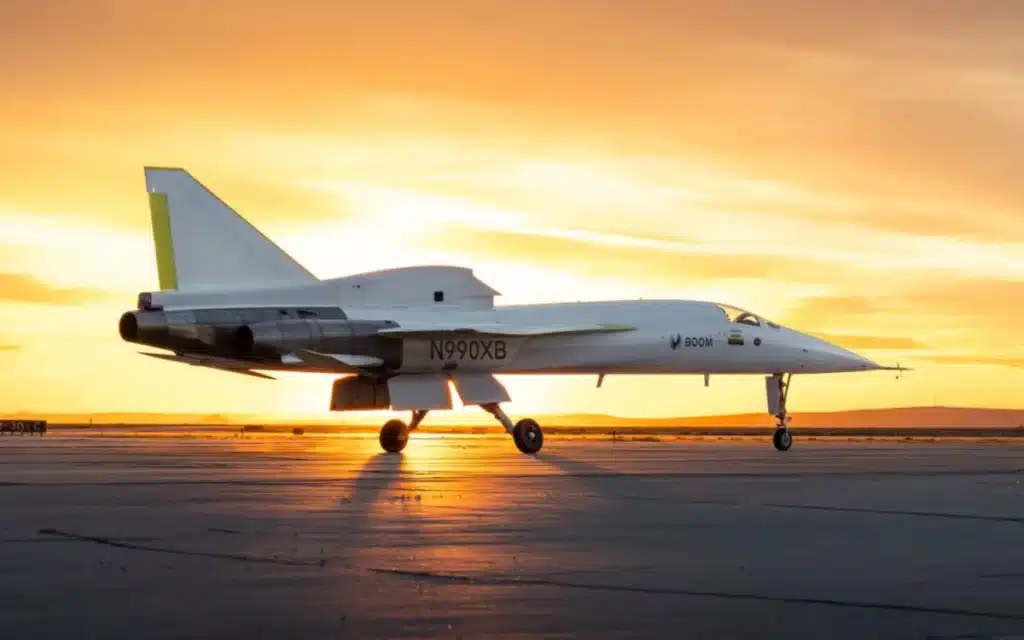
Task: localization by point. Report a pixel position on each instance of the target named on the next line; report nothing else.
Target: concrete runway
(463, 537)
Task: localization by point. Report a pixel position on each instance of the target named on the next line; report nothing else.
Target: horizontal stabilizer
(426, 330)
(222, 364)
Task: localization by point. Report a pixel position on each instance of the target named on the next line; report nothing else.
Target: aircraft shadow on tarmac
(380, 473)
(596, 494)
(597, 481)
(369, 519)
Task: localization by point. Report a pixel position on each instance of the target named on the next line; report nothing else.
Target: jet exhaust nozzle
(243, 340)
(143, 326)
(128, 327)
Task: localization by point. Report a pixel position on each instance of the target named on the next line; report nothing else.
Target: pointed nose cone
(827, 357)
(851, 361)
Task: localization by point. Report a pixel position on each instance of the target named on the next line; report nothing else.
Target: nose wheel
(782, 439)
(778, 393)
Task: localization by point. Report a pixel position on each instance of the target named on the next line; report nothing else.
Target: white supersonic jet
(231, 299)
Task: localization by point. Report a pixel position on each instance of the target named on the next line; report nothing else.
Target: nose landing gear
(778, 391)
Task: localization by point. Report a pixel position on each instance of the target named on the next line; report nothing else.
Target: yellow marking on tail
(160, 216)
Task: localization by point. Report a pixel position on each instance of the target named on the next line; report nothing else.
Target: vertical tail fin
(203, 244)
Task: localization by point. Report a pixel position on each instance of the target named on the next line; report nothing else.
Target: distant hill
(128, 418)
(900, 417)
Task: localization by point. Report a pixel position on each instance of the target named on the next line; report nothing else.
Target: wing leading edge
(441, 329)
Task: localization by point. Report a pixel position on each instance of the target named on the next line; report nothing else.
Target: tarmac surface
(463, 537)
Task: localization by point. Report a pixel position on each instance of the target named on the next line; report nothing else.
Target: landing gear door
(479, 388)
(420, 391)
(359, 394)
(772, 387)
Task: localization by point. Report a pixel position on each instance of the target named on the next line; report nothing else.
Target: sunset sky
(850, 169)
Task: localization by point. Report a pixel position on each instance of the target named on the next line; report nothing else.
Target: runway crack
(52, 540)
(293, 562)
(565, 584)
(899, 512)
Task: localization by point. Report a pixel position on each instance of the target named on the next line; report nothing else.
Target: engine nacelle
(360, 394)
(251, 335)
(272, 338)
(154, 329)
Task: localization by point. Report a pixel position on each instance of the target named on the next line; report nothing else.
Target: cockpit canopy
(736, 315)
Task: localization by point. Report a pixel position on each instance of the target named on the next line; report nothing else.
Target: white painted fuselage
(666, 337)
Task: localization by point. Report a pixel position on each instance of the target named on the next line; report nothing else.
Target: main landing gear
(526, 433)
(778, 391)
(394, 435)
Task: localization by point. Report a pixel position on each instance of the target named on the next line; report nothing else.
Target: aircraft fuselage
(666, 337)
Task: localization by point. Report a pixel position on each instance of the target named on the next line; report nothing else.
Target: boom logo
(468, 350)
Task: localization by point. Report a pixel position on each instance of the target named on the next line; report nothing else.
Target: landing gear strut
(526, 433)
(778, 392)
(417, 418)
(394, 435)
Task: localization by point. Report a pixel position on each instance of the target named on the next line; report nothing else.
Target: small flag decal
(736, 337)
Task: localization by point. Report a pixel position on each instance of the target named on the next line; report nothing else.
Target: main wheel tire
(394, 435)
(782, 439)
(528, 436)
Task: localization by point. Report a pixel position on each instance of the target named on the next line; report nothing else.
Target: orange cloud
(871, 343)
(914, 133)
(670, 268)
(948, 317)
(24, 288)
(934, 303)
(1013, 362)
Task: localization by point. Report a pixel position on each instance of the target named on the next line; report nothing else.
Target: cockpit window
(748, 318)
(741, 316)
(735, 314)
(730, 312)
